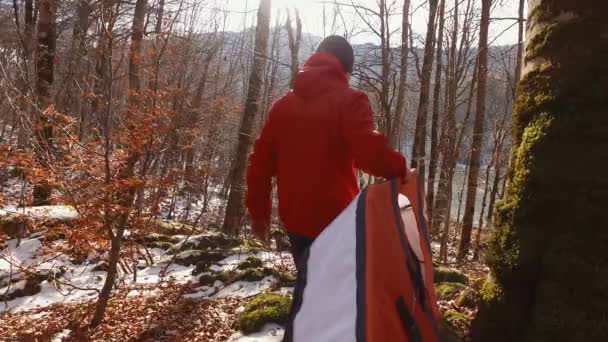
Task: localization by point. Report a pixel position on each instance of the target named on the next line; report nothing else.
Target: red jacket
(313, 138)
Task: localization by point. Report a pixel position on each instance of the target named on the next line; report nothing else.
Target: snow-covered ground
(81, 283)
(269, 333)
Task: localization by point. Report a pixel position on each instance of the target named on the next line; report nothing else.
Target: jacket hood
(319, 74)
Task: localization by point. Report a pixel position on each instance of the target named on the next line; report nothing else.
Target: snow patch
(269, 333)
(242, 289)
(60, 212)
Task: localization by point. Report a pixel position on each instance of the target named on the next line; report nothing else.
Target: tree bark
(234, 207)
(401, 90)
(419, 147)
(430, 191)
(477, 144)
(520, 42)
(45, 56)
(547, 255)
(294, 44)
(444, 194)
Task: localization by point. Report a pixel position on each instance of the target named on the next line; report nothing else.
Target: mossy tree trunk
(548, 259)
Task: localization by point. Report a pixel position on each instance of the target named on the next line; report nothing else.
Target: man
(314, 138)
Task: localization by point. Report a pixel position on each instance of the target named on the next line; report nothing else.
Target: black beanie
(341, 48)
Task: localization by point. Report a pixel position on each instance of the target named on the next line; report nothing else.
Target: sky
(311, 12)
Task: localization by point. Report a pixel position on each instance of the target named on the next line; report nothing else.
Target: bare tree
(234, 207)
(116, 231)
(477, 144)
(419, 147)
(45, 55)
(294, 44)
(430, 191)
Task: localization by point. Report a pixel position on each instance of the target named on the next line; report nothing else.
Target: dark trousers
(299, 245)
(299, 250)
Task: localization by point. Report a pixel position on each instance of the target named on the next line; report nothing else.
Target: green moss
(263, 309)
(547, 256)
(446, 291)
(250, 262)
(490, 291)
(456, 318)
(468, 298)
(255, 274)
(448, 332)
(285, 278)
(445, 275)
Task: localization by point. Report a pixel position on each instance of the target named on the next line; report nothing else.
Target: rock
(281, 239)
(101, 267)
(211, 240)
(250, 262)
(154, 237)
(30, 286)
(193, 257)
(15, 226)
(161, 244)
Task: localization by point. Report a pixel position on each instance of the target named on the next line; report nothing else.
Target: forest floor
(189, 287)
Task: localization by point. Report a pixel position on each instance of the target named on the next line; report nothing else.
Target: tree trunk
(477, 144)
(444, 189)
(520, 42)
(127, 196)
(547, 257)
(401, 90)
(430, 191)
(419, 147)
(73, 97)
(294, 44)
(234, 207)
(45, 56)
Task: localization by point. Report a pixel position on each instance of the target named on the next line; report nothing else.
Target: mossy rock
(210, 278)
(281, 240)
(54, 234)
(468, 298)
(212, 241)
(285, 278)
(162, 245)
(449, 332)
(456, 319)
(154, 237)
(250, 262)
(447, 291)
(193, 257)
(263, 309)
(32, 284)
(446, 275)
(173, 228)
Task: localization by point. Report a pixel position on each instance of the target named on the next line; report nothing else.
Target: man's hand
(261, 231)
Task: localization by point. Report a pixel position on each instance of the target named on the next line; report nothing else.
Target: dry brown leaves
(163, 315)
